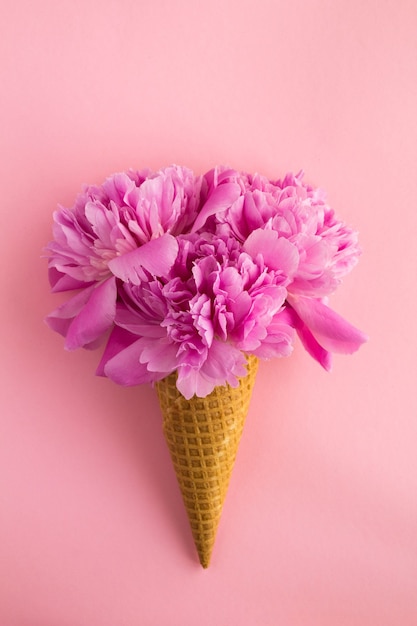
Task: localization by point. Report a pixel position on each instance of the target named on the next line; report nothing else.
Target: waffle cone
(203, 436)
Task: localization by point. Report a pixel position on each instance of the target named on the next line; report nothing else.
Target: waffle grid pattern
(203, 436)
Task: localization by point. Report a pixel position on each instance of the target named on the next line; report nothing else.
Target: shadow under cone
(203, 436)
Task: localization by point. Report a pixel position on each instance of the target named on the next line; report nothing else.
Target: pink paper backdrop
(320, 524)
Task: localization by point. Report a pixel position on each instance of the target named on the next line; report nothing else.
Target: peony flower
(326, 247)
(214, 305)
(190, 274)
(289, 222)
(116, 231)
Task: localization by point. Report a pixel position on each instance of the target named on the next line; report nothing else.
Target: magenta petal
(157, 256)
(95, 318)
(277, 252)
(220, 199)
(127, 319)
(159, 355)
(64, 282)
(61, 319)
(125, 368)
(58, 324)
(309, 342)
(313, 348)
(329, 329)
(119, 340)
(280, 338)
(224, 364)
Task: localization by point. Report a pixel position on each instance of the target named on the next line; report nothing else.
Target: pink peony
(115, 230)
(191, 274)
(327, 248)
(214, 305)
(289, 222)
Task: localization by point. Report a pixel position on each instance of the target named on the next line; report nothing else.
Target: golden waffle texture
(203, 436)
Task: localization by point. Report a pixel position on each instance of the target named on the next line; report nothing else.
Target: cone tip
(204, 558)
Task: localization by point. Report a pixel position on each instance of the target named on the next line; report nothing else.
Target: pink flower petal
(125, 368)
(157, 256)
(328, 328)
(221, 198)
(319, 354)
(64, 282)
(61, 319)
(314, 349)
(138, 325)
(224, 364)
(277, 252)
(119, 340)
(95, 318)
(159, 355)
(192, 382)
(279, 340)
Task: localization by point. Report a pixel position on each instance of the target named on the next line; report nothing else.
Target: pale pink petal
(156, 256)
(192, 381)
(224, 364)
(277, 252)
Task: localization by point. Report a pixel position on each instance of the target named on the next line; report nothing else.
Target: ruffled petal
(224, 364)
(279, 340)
(156, 256)
(277, 252)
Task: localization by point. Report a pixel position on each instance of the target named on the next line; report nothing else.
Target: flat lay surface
(319, 522)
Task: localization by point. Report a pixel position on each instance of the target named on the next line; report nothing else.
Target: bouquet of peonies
(189, 280)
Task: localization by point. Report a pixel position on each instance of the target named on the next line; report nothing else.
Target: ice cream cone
(203, 436)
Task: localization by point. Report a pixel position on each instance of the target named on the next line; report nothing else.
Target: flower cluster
(176, 272)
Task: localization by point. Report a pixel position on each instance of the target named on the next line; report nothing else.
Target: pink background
(320, 524)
